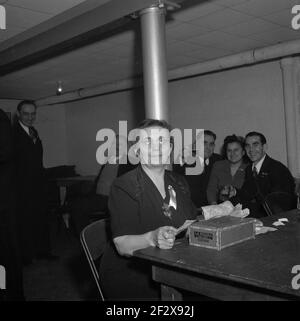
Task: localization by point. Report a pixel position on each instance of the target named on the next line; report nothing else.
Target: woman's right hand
(163, 237)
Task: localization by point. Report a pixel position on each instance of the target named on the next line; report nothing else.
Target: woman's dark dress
(135, 206)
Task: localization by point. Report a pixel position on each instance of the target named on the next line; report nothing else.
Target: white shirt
(259, 165)
(24, 127)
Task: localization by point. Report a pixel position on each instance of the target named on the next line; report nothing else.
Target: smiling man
(269, 185)
(31, 188)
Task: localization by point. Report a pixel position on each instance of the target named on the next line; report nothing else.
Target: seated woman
(146, 206)
(227, 173)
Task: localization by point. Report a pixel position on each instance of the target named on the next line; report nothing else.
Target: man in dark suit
(268, 183)
(198, 183)
(31, 196)
(9, 251)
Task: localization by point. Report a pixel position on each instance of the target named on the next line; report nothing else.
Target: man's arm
(282, 180)
(279, 180)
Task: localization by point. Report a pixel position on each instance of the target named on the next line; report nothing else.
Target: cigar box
(218, 233)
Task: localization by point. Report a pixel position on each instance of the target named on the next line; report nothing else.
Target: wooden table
(259, 269)
(64, 182)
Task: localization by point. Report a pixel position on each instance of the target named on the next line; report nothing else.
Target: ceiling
(199, 31)
(24, 14)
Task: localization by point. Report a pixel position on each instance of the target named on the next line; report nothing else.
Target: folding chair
(93, 239)
(278, 202)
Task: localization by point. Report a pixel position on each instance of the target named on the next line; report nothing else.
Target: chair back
(93, 239)
(278, 202)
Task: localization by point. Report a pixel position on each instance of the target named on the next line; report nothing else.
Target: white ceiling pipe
(90, 92)
(240, 59)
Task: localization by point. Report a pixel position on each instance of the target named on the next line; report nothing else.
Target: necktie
(254, 172)
(259, 196)
(32, 134)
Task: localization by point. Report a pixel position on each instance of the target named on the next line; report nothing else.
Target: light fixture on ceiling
(59, 89)
(169, 5)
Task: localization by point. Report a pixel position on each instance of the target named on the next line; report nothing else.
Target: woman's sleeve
(123, 213)
(212, 187)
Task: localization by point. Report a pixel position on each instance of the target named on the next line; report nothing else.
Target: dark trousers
(34, 232)
(82, 207)
(10, 259)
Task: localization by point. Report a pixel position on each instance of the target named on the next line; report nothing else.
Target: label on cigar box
(220, 232)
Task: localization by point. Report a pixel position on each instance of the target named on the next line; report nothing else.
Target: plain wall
(51, 125)
(9, 105)
(86, 117)
(234, 102)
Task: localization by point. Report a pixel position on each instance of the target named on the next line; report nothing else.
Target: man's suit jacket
(273, 177)
(30, 172)
(198, 183)
(31, 195)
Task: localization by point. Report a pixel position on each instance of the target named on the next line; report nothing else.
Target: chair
(97, 215)
(278, 202)
(93, 239)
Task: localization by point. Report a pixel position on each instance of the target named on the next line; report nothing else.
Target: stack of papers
(280, 221)
(224, 209)
(184, 226)
(261, 229)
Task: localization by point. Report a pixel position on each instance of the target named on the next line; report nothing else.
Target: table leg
(170, 294)
(62, 195)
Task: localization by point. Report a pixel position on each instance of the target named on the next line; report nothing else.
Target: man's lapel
(22, 131)
(264, 170)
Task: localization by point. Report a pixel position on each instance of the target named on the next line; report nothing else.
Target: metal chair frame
(94, 251)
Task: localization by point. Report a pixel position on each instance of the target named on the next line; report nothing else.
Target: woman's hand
(226, 193)
(232, 191)
(163, 237)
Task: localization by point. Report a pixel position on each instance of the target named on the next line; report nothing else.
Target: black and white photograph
(149, 153)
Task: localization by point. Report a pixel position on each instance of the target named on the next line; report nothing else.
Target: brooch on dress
(172, 203)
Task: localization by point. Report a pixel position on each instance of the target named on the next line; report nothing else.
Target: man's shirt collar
(259, 164)
(24, 127)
